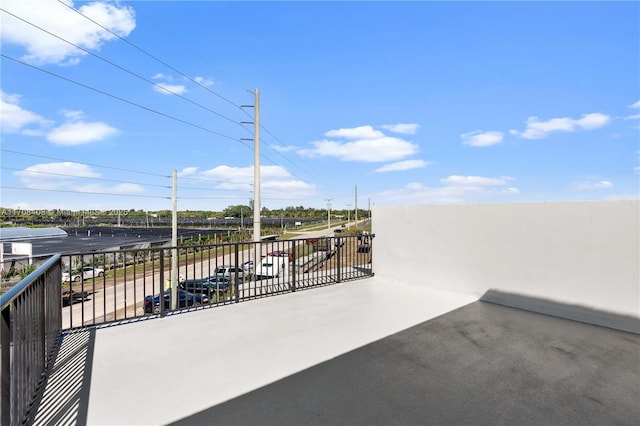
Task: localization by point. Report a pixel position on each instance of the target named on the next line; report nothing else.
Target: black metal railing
(81, 290)
(120, 285)
(30, 326)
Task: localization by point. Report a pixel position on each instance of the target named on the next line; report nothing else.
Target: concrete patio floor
(361, 352)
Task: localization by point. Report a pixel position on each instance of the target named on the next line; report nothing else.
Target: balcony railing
(89, 289)
(29, 328)
(121, 285)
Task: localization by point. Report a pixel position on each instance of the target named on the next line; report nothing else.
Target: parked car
(69, 297)
(219, 281)
(199, 286)
(82, 274)
(185, 299)
(230, 271)
(210, 286)
(247, 266)
(271, 267)
(281, 253)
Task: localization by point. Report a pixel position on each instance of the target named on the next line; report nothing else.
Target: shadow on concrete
(563, 310)
(482, 364)
(65, 395)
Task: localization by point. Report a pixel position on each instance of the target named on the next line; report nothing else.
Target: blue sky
(410, 102)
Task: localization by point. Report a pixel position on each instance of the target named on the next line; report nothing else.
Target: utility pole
(174, 243)
(328, 200)
(256, 163)
(356, 206)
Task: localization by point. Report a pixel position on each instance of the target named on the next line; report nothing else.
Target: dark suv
(185, 299)
(203, 286)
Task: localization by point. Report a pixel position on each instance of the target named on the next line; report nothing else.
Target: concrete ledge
(563, 310)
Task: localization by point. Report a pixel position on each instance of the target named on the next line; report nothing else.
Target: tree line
(44, 216)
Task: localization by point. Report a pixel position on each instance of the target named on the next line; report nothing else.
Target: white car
(272, 267)
(230, 271)
(248, 266)
(85, 273)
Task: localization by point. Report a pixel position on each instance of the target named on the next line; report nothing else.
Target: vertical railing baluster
(162, 287)
(293, 267)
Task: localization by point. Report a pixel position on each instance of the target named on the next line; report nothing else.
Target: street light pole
(256, 163)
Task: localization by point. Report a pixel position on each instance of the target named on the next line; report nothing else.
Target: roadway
(123, 298)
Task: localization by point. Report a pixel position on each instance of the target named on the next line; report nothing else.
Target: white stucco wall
(580, 254)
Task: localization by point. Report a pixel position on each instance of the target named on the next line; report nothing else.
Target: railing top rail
(17, 289)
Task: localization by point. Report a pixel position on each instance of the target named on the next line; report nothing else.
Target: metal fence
(30, 327)
(121, 285)
(80, 290)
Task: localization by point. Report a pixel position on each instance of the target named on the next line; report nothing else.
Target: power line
(124, 100)
(88, 164)
(151, 82)
(155, 85)
(81, 177)
(85, 192)
(123, 69)
(150, 55)
(284, 146)
(188, 78)
(213, 180)
(127, 170)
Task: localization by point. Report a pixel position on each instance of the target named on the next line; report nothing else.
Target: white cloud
(204, 81)
(537, 129)
(275, 181)
(244, 175)
(364, 144)
(402, 128)
(402, 165)
(367, 150)
(585, 186)
(635, 105)
(70, 176)
(170, 89)
(455, 191)
(15, 119)
(65, 168)
(481, 139)
(79, 132)
(122, 188)
(284, 148)
(476, 180)
(187, 171)
(166, 87)
(41, 48)
(72, 115)
(362, 132)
